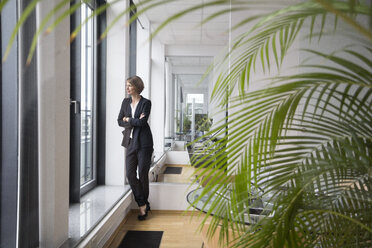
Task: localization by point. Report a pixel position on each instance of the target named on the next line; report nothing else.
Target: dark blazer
(142, 136)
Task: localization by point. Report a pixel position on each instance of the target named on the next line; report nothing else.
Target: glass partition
(87, 95)
(187, 114)
(191, 109)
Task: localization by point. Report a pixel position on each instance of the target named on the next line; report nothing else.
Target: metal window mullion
(28, 137)
(9, 130)
(75, 121)
(86, 92)
(94, 100)
(101, 99)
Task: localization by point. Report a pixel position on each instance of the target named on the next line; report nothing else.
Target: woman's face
(131, 90)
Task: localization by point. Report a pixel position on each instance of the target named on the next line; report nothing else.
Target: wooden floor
(180, 229)
(185, 177)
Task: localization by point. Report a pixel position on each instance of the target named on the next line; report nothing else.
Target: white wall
(178, 157)
(331, 45)
(53, 56)
(169, 105)
(117, 72)
(143, 54)
(157, 117)
(170, 196)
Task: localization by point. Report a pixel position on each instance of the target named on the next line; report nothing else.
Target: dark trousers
(141, 159)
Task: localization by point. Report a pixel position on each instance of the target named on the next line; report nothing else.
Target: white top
(133, 111)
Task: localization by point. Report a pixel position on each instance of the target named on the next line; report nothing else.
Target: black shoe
(148, 208)
(143, 217)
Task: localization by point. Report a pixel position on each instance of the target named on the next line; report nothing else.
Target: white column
(176, 99)
(144, 54)
(157, 115)
(192, 119)
(181, 106)
(172, 105)
(168, 101)
(117, 72)
(53, 58)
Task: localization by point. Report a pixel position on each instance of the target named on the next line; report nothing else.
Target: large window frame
(8, 130)
(88, 104)
(19, 133)
(132, 41)
(97, 127)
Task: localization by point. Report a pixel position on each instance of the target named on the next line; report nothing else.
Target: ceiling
(191, 81)
(198, 61)
(188, 30)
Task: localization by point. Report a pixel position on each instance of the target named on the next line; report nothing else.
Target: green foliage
(304, 140)
(186, 123)
(202, 122)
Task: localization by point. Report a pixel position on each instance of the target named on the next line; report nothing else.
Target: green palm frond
(276, 30)
(25, 14)
(142, 6)
(44, 23)
(2, 4)
(95, 13)
(312, 133)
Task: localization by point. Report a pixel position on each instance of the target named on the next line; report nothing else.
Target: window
(195, 101)
(199, 98)
(87, 168)
(87, 122)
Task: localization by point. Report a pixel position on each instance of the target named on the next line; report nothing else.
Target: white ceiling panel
(187, 30)
(187, 40)
(215, 34)
(214, 9)
(193, 82)
(190, 18)
(174, 8)
(190, 60)
(216, 26)
(185, 25)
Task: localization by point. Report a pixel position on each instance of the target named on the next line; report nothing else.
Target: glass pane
(86, 141)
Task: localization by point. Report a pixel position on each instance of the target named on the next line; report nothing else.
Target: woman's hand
(126, 119)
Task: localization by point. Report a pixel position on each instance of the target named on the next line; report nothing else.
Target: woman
(133, 116)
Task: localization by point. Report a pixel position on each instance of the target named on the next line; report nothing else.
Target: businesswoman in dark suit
(133, 116)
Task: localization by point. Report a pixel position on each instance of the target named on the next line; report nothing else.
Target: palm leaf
(311, 163)
(25, 14)
(41, 27)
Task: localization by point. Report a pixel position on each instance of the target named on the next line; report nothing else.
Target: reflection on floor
(180, 229)
(92, 208)
(186, 175)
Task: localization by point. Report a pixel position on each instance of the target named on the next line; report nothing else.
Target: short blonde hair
(137, 83)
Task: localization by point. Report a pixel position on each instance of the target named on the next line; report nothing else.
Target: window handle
(76, 106)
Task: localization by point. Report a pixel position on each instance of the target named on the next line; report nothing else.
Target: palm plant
(305, 140)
